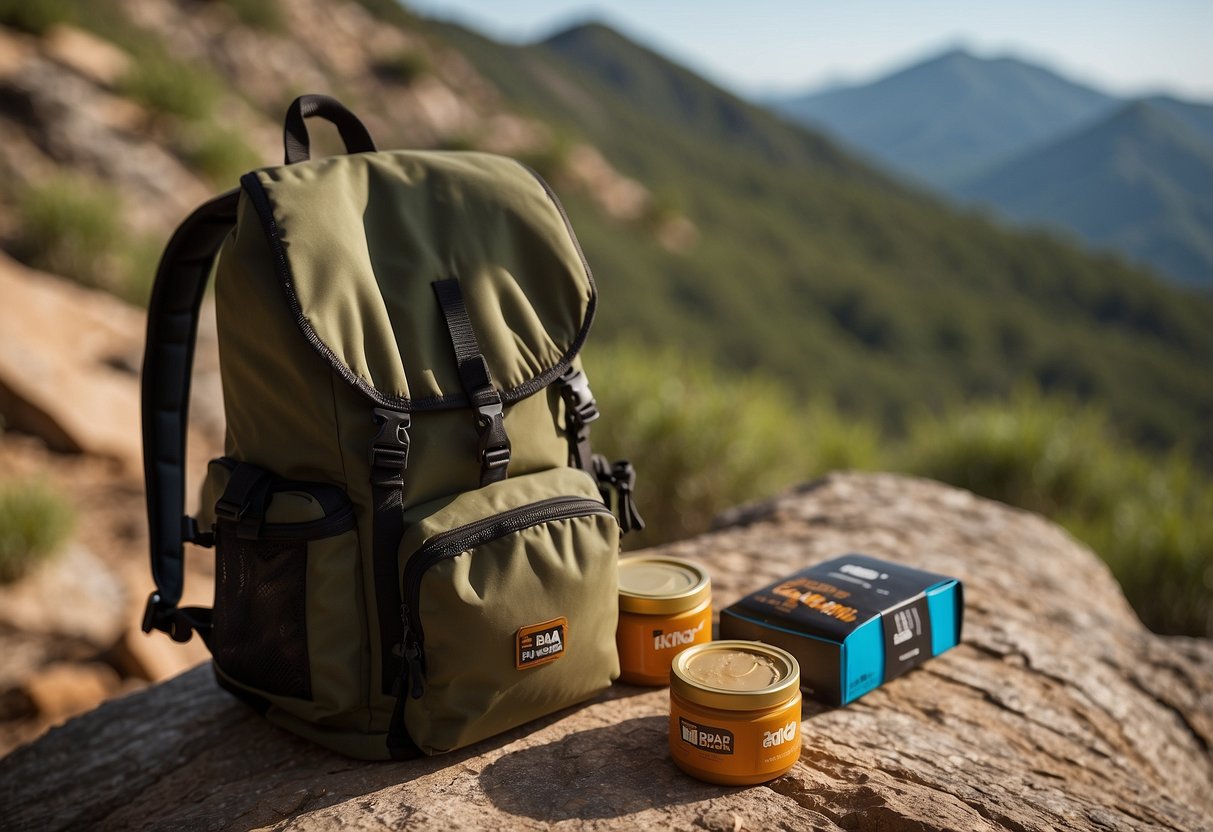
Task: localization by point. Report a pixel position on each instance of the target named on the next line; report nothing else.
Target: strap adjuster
(154, 613)
(495, 448)
(390, 447)
(578, 398)
(494, 458)
(226, 509)
(192, 533)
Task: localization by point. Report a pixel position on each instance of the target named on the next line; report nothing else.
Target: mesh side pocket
(260, 627)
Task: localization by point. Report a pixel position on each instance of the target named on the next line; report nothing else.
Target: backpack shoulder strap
(172, 324)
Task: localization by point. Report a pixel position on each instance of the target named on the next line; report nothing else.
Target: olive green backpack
(415, 547)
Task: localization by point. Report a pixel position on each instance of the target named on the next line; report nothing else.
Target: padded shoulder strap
(172, 323)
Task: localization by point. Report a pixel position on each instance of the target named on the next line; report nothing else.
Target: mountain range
(835, 277)
(1125, 175)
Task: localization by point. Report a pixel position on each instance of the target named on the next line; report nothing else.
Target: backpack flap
(359, 239)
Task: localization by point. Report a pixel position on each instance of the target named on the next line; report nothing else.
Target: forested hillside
(841, 283)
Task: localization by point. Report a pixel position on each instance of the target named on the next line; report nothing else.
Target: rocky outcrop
(1059, 710)
(65, 107)
(69, 405)
(69, 368)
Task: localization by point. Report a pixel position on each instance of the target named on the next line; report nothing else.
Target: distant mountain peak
(583, 30)
(947, 117)
(952, 54)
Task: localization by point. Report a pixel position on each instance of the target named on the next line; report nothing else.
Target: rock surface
(1059, 710)
(69, 369)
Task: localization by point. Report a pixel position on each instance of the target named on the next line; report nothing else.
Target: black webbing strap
(579, 410)
(295, 140)
(477, 382)
(172, 324)
(620, 477)
(244, 500)
(389, 459)
(617, 480)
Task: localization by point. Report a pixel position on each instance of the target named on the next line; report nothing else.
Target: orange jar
(665, 606)
(735, 712)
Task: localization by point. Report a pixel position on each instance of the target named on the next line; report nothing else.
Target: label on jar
(745, 749)
(706, 737)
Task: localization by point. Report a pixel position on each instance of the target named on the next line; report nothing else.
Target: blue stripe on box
(862, 660)
(943, 603)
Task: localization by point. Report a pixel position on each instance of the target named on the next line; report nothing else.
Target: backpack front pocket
(509, 606)
(285, 551)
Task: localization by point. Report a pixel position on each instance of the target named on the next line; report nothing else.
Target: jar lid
(660, 585)
(735, 675)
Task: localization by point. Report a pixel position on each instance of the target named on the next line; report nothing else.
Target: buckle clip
(578, 398)
(495, 449)
(153, 613)
(390, 447)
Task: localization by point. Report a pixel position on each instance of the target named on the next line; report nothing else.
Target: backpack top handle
(297, 145)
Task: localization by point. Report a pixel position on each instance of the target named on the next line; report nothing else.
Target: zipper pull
(411, 668)
(412, 658)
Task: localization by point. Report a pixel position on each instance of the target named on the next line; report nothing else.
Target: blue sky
(760, 45)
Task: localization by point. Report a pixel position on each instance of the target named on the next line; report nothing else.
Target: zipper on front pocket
(455, 542)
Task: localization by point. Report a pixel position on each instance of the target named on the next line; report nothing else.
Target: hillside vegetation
(705, 441)
(1139, 181)
(836, 281)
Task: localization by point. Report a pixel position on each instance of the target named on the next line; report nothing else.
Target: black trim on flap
(261, 202)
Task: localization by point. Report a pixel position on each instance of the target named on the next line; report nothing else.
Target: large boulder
(1059, 710)
(69, 370)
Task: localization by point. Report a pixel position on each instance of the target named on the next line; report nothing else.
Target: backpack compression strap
(477, 382)
(620, 477)
(172, 324)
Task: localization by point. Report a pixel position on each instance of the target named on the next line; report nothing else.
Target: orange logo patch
(541, 643)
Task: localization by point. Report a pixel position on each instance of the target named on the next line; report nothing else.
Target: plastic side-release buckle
(167, 618)
(495, 448)
(154, 613)
(229, 510)
(390, 447)
(578, 398)
(619, 477)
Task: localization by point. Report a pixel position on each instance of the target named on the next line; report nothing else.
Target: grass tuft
(34, 523)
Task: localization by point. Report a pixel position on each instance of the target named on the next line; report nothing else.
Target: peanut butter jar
(735, 712)
(665, 606)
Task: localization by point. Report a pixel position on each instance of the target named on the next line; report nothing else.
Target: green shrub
(35, 16)
(404, 67)
(69, 226)
(260, 14)
(1041, 454)
(552, 158)
(459, 142)
(1158, 541)
(703, 441)
(220, 154)
(171, 87)
(34, 523)
(72, 227)
(140, 257)
(1150, 519)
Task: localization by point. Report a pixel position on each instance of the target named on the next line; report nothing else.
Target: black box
(853, 623)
